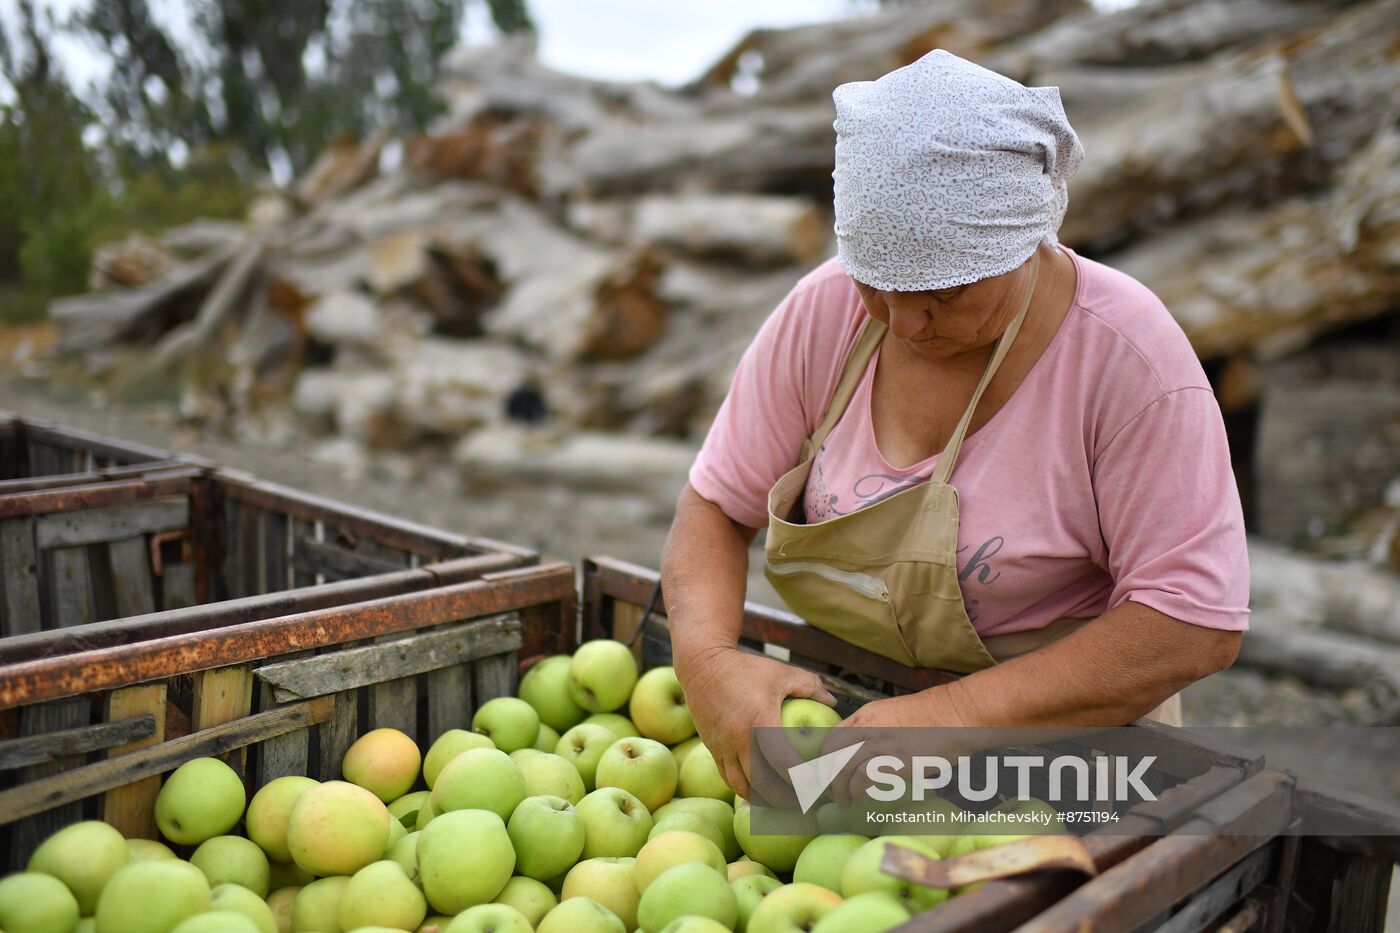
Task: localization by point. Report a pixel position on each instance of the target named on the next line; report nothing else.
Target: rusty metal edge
(98, 494)
(149, 469)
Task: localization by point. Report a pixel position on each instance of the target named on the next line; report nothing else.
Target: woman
(971, 448)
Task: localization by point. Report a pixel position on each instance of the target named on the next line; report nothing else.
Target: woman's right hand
(730, 693)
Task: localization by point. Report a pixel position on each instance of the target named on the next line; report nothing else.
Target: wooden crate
(39, 455)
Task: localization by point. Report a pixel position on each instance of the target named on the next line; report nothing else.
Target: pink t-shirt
(1105, 477)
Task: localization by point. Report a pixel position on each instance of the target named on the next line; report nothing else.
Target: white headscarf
(947, 173)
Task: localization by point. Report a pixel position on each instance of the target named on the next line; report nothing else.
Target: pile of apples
(557, 813)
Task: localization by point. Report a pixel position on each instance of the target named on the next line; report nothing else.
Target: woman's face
(949, 322)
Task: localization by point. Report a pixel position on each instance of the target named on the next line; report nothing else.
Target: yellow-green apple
(337, 828)
(778, 852)
(700, 777)
(434, 923)
(547, 774)
(405, 809)
(679, 752)
(547, 835)
(152, 897)
(35, 902)
(608, 881)
(821, 862)
(141, 849)
(381, 894)
(582, 746)
(269, 811)
(509, 722)
(744, 867)
(405, 853)
(862, 873)
(642, 766)
(581, 915)
(749, 891)
(532, 898)
(317, 906)
(674, 848)
(793, 907)
(232, 860)
(806, 724)
(687, 890)
(240, 900)
(217, 921)
(480, 779)
(425, 814)
(287, 875)
(602, 674)
(448, 746)
(202, 799)
(489, 918)
(716, 811)
(84, 856)
(690, 821)
(282, 901)
(616, 723)
(545, 739)
(832, 819)
(871, 912)
(546, 687)
(615, 823)
(658, 707)
(464, 858)
(384, 762)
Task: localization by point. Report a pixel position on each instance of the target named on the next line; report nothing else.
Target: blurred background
(489, 264)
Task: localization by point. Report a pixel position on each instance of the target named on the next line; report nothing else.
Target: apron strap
(867, 342)
(948, 459)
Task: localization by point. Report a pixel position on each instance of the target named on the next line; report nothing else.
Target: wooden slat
(301, 531)
(178, 586)
(36, 720)
(275, 570)
(131, 577)
(284, 754)
(336, 563)
(114, 523)
(1208, 904)
(69, 592)
(19, 578)
(626, 619)
(494, 677)
(393, 704)
(337, 733)
(251, 528)
(131, 808)
(17, 753)
(103, 776)
(449, 700)
(222, 695)
(353, 668)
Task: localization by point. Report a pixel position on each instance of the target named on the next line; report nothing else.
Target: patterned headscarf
(947, 173)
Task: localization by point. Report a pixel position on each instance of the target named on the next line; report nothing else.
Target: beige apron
(885, 576)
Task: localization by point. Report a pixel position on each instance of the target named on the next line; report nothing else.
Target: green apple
(862, 873)
(582, 746)
(674, 848)
(282, 901)
(434, 923)
(658, 707)
(509, 722)
(232, 860)
(749, 891)
(287, 875)
(700, 777)
(546, 687)
(317, 906)
(142, 849)
(778, 852)
(615, 823)
(681, 751)
(642, 766)
(269, 811)
(689, 821)
(217, 921)
(547, 774)
(546, 739)
(744, 867)
(716, 811)
(805, 722)
(602, 674)
(695, 925)
(381, 894)
(84, 856)
(616, 723)
(532, 898)
(152, 897)
(547, 834)
(608, 881)
(384, 762)
(480, 779)
(202, 799)
(871, 912)
(581, 915)
(832, 820)
(425, 814)
(691, 889)
(236, 898)
(405, 809)
(448, 746)
(490, 918)
(793, 907)
(337, 828)
(821, 862)
(405, 853)
(35, 902)
(465, 858)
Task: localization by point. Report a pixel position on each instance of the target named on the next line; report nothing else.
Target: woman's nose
(907, 321)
